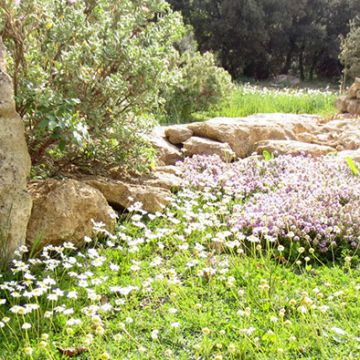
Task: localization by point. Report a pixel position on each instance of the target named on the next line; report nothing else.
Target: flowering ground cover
(249, 99)
(253, 260)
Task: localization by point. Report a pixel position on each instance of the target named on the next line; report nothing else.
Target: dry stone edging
(238, 137)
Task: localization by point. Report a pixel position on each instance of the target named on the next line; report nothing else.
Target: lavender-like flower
(315, 201)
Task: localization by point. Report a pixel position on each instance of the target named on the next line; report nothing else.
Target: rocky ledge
(233, 138)
(65, 210)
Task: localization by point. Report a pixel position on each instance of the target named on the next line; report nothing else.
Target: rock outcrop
(167, 153)
(178, 134)
(292, 147)
(64, 211)
(201, 146)
(350, 103)
(164, 179)
(285, 133)
(243, 133)
(121, 195)
(15, 164)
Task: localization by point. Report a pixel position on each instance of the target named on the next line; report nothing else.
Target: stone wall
(15, 164)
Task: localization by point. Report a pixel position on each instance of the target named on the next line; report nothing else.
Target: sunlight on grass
(204, 279)
(248, 99)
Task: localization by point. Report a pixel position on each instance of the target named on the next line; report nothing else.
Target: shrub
(350, 52)
(88, 74)
(202, 87)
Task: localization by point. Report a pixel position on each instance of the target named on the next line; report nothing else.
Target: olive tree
(88, 75)
(350, 54)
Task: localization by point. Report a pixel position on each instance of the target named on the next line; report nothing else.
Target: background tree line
(263, 38)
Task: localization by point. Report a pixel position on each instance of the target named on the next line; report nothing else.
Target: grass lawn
(183, 284)
(251, 99)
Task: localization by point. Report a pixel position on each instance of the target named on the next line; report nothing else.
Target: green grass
(240, 303)
(249, 99)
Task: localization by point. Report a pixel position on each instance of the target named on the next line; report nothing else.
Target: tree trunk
(315, 60)
(288, 60)
(301, 62)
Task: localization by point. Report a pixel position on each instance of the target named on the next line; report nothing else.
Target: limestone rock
(64, 211)
(201, 146)
(353, 106)
(177, 134)
(169, 169)
(15, 164)
(351, 102)
(354, 89)
(342, 104)
(164, 180)
(167, 153)
(292, 147)
(243, 133)
(353, 154)
(343, 132)
(122, 195)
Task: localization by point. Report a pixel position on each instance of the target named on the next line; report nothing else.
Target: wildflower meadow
(255, 259)
(124, 239)
(247, 99)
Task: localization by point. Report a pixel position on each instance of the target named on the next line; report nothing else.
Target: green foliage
(350, 54)
(261, 38)
(202, 86)
(247, 100)
(88, 74)
(352, 166)
(267, 156)
(164, 290)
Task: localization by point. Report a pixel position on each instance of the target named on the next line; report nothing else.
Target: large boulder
(167, 154)
(168, 169)
(342, 133)
(15, 164)
(164, 180)
(122, 195)
(178, 134)
(353, 106)
(292, 147)
(342, 104)
(65, 211)
(200, 146)
(354, 90)
(350, 103)
(243, 133)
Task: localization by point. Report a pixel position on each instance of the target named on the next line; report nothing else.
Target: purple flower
(316, 200)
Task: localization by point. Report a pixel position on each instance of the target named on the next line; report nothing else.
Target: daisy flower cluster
(248, 88)
(204, 278)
